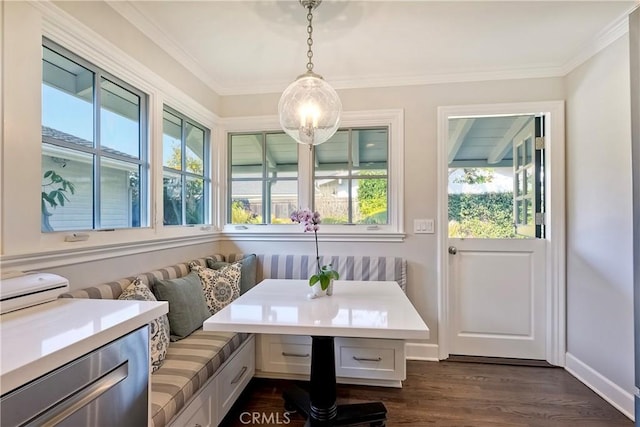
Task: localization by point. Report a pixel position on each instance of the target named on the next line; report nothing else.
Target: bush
(484, 215)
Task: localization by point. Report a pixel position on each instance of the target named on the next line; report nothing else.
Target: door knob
(453, 250)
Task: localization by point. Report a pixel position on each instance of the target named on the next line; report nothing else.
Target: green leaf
(47, 174)
(314, 279)
(324, 282)
(60, 199)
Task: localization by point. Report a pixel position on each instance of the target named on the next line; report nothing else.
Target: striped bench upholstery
(112, 290)
(190, 362)
(350, 267)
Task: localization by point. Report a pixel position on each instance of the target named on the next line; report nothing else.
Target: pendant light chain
(310, 38)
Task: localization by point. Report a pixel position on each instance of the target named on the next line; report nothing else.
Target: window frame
(97, 151)
(184, 174)
(264, 180)
(351, 176)
(392, 119)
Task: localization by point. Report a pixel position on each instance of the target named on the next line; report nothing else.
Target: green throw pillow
(187, 306)
(248, 270)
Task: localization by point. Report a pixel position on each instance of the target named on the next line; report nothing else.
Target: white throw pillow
(220, 287)
(159, 328)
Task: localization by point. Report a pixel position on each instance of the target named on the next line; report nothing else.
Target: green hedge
(484, 215)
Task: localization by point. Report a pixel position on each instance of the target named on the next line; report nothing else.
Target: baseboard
(619, 398)
(418, 351)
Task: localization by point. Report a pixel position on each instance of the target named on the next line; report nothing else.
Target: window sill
(264, 234)
(67, 256)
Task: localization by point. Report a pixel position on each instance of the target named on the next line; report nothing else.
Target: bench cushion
(187, 367)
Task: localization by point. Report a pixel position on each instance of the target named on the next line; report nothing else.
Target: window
(94, 156)
(263, 187)
(350, 177)
(186, 178)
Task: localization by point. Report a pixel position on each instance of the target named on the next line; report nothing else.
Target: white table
(362, 309)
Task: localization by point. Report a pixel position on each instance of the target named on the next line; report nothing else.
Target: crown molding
(607, 36)
(604, 38)
(149, 28)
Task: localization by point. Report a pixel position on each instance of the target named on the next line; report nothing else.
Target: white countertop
(39, 339)
(356, 309)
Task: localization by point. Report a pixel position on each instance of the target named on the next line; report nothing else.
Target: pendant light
(309, 108)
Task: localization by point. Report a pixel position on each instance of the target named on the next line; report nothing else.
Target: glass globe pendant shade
(310, 109)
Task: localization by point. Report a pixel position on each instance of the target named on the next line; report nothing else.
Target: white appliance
(26, 289)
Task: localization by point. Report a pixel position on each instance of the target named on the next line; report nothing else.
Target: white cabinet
(380, 362)
(212, 402)
(233, 379)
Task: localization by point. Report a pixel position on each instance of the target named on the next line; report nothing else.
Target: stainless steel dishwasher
(107, 387)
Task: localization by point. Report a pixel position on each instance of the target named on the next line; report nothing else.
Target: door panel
(498, 301)
(497, 304)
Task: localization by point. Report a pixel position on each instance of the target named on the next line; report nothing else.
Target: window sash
(185, 174)
(97, 150)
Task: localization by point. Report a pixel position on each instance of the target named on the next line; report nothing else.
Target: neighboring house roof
(66, 137)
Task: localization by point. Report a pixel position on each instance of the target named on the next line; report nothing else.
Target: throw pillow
(159, 328)
(187, 306)
(221, 286)
(248, 270)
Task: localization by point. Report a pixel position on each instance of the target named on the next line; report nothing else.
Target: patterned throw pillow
(220, 287)
(159, 328)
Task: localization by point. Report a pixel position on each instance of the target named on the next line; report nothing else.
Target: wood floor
(453, 394)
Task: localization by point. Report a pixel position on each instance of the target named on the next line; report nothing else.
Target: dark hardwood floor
(452, 394)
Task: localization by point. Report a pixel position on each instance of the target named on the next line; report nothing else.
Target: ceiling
(243, 47)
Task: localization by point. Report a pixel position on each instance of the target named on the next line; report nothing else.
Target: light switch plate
(423, 226)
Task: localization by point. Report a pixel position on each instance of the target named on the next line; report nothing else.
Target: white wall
(599, 219)
(20, 238)
(420, 163)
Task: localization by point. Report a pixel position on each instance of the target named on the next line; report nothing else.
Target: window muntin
(351, 177)
(263, 178)
(93, 124)
(186, 177)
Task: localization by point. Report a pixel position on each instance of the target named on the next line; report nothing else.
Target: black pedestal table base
(319, 404)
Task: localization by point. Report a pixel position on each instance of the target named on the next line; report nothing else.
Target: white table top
(39, 339)
(361, 309)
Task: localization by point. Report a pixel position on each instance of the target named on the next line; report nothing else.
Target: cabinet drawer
(289, 354)
(368, 358)
(234, 377)
(198, 412)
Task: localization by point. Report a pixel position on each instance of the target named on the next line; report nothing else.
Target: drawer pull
(367, 359)
(239, 376)
(284, 353)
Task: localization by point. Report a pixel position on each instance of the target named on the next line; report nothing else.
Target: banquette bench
(203, 374)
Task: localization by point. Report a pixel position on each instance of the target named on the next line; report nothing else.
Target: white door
(497, 271)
